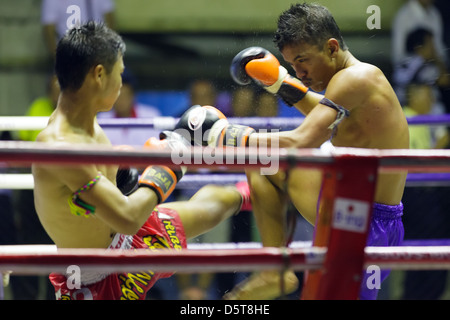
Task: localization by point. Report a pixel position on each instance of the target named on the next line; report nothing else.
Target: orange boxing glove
(264, 68)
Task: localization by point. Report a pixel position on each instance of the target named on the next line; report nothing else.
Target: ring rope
(50, 248)
(40, 262)
(14, 123)
(304, 258)
(189, 261)
(14, 181)
(19, 153)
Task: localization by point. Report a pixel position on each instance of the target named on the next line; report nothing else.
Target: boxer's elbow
(134, 212)
(126, 223)
(129, 227)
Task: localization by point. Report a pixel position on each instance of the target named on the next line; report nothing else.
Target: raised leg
(207, 208)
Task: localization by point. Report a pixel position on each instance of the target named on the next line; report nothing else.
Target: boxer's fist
(127, 180)
(198, 122)
(126, 177)
(171, 141)
(264, 68)
(208, 126)
(163, 179)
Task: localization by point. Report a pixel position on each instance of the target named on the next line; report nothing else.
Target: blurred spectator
(267, 105)
(42, 107)
(412, 15)
(425, 207)
(202, 92)
(59, 15)
(422, 66)
(444, 8)
(243, 103)
(420, 101)
(126, 106)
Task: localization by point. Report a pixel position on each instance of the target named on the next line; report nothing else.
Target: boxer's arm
(312, 133)
(124, 214)
(308, 103)
(264, 69)
(347, 89)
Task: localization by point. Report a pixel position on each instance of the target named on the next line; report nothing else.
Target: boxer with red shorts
(162, 230)
(115, 207)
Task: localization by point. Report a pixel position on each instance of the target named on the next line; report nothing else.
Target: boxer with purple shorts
(345, 101)
(386, 229)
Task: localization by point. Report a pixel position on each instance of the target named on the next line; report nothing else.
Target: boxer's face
(312, 65)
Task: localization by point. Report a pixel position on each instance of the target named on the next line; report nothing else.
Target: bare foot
(193, 293)
(265, 285)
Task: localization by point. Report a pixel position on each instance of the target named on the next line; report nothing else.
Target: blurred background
(178, 54)
(171, 43)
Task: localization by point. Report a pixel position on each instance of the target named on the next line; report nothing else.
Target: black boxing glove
(264, 68)
(127, 180)
(208, 126)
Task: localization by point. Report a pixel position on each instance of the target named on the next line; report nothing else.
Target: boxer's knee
(260, 184)
(218, 196)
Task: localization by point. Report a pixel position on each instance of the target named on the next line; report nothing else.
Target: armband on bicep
(342, 113)
(77, 206)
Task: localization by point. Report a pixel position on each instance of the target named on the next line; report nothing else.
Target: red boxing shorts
(163, 229)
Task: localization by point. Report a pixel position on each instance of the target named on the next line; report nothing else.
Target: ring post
(345, 212)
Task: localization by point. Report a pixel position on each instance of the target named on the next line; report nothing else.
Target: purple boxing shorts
(386, 229)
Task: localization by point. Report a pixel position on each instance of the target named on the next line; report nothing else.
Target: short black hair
(307, 23)
(416, 38)
(82, 48)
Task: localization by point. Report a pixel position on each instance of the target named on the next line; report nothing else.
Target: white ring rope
(15, 123)
(25, 181)
(23, 123)
(16, 181)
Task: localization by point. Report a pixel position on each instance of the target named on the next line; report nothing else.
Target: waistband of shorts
(121, 242)
(384, 211)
